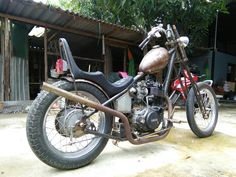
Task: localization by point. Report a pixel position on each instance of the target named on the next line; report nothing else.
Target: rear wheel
(53, 129)
(202, 126)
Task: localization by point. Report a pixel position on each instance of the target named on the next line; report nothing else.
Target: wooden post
(2, 53)
(104, 55)
(45, 56)
(6, 59)
(125, 60)
(2, 35)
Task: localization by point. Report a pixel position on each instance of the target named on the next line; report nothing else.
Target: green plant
(192, 17)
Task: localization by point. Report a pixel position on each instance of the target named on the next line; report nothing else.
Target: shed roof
(44, 15)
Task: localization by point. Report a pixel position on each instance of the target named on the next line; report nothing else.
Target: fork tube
(196, 91)
(169, 73)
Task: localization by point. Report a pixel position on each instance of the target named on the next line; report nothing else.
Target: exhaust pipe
(100, 107)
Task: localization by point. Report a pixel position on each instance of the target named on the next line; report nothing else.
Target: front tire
(48, 128)
(202, 127)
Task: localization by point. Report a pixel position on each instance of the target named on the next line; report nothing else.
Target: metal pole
(215, 48)
(216, 29)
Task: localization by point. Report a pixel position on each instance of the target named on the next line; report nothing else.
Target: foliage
(192, 17)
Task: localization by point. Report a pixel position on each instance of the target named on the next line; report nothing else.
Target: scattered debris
(188, 157)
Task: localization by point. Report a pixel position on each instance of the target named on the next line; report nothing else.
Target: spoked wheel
(55, 128)
(200, 125)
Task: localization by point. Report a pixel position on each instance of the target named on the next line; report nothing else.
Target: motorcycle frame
(174, 51)
(104, 108)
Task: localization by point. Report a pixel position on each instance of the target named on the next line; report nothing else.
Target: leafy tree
(192, 17)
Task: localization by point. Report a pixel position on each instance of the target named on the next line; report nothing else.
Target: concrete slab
(180, 154)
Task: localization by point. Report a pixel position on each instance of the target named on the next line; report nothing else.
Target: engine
(147, 119)
(147, 105)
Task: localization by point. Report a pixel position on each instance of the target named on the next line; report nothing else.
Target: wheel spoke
(56, 126)
(208, 102)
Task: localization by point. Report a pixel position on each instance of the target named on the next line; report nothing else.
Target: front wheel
(53, 132)
(202, 126)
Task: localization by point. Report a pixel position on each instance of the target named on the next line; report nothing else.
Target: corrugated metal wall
(19, 72)
(1, 79)
(19, 79)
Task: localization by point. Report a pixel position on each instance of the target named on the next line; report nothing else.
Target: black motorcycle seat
(97, 77)
(110, 88)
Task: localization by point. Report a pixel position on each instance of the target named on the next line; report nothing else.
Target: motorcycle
(71, 121)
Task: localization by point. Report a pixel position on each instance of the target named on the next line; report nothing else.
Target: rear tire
(50, 140)
(202, 127)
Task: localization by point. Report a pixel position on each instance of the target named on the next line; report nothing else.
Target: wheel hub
(69, 123)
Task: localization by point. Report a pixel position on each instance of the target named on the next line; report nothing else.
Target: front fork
(193, 83)
(197, 93)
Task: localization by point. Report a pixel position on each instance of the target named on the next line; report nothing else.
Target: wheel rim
(71, 146)
(209, 102)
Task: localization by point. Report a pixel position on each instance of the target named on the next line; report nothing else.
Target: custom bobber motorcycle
(70, 122)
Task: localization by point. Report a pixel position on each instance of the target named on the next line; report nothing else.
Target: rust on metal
(100, 107)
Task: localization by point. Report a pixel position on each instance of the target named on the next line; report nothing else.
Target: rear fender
(208, 82)
(69, 79)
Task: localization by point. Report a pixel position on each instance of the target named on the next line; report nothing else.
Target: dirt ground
(180, 154)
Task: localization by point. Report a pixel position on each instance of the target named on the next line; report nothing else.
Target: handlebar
(144, 42)
(155, 32)
(171, 34)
